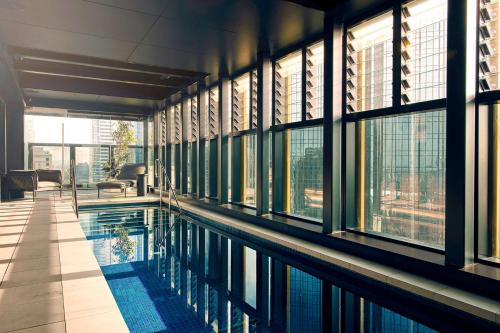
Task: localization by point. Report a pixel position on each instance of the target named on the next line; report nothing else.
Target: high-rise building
(42, 159)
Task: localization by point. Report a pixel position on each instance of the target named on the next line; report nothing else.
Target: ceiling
(199, 36)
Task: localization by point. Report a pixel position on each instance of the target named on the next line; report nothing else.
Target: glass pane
(241, 103)
(493, 235)
(303, 165)
(51, 157)
(369, 64)
(177, 123)
(89, 162)
(488, 45)
(254, 99)
(214, 112)
(194, 119)
(207, 168)
(314, 95)
(401, 169)
(43, 129)
(423, 50)
(249, 172)
(288, 89)
(135, 155)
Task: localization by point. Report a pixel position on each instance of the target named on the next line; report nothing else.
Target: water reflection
(201, 281)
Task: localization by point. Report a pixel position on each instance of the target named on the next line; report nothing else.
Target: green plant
(123, 136)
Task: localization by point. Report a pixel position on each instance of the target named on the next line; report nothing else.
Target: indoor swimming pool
(198, 279)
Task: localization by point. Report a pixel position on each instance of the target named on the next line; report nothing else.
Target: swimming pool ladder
(163, 178)
(72, 180)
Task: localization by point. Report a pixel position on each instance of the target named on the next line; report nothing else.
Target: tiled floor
(49, 278)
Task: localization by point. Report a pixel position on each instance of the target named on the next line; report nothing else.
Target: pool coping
(71, 295)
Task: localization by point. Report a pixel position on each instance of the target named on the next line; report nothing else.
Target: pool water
(202, 281)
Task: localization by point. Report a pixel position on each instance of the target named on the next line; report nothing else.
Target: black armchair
(22, 181)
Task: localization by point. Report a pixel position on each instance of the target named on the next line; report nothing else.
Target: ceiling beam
(108, 74)
(100, 62)
(91, 86)
(83, 106)
(317, 4)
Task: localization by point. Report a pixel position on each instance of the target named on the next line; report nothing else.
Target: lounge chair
(22, 181)
(49, 180)
(126, 178)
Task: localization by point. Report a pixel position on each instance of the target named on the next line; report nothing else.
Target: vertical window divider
(344, 180)
(328, 64)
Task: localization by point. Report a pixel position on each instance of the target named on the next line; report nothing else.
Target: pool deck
(50, 279)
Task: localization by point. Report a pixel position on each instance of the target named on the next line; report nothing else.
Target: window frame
(350, 119)
(303, 123)
(240, 134)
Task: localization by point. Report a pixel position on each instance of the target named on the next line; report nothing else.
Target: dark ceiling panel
(99, 62)
(25, 35)
(110, 74)
(82, 17)
(89, 86)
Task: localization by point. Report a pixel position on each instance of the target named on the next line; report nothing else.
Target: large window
(423, 56)
(244, 140)
(303, 172)
(249, 169)
(489, 183)
(241, 102)
(369, 64)
(314, 81)
(51, 141)
(288, 89)
(488, 46)
(400, 177)
(298, 134)
(213, 110)
(396, 178)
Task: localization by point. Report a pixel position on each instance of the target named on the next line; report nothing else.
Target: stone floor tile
(20, 278)
(28, 315)
(104, 322)
(29, 293)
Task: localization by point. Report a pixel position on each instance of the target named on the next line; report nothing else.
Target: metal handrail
(72, 179)
(164, 174)
(171, 193)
